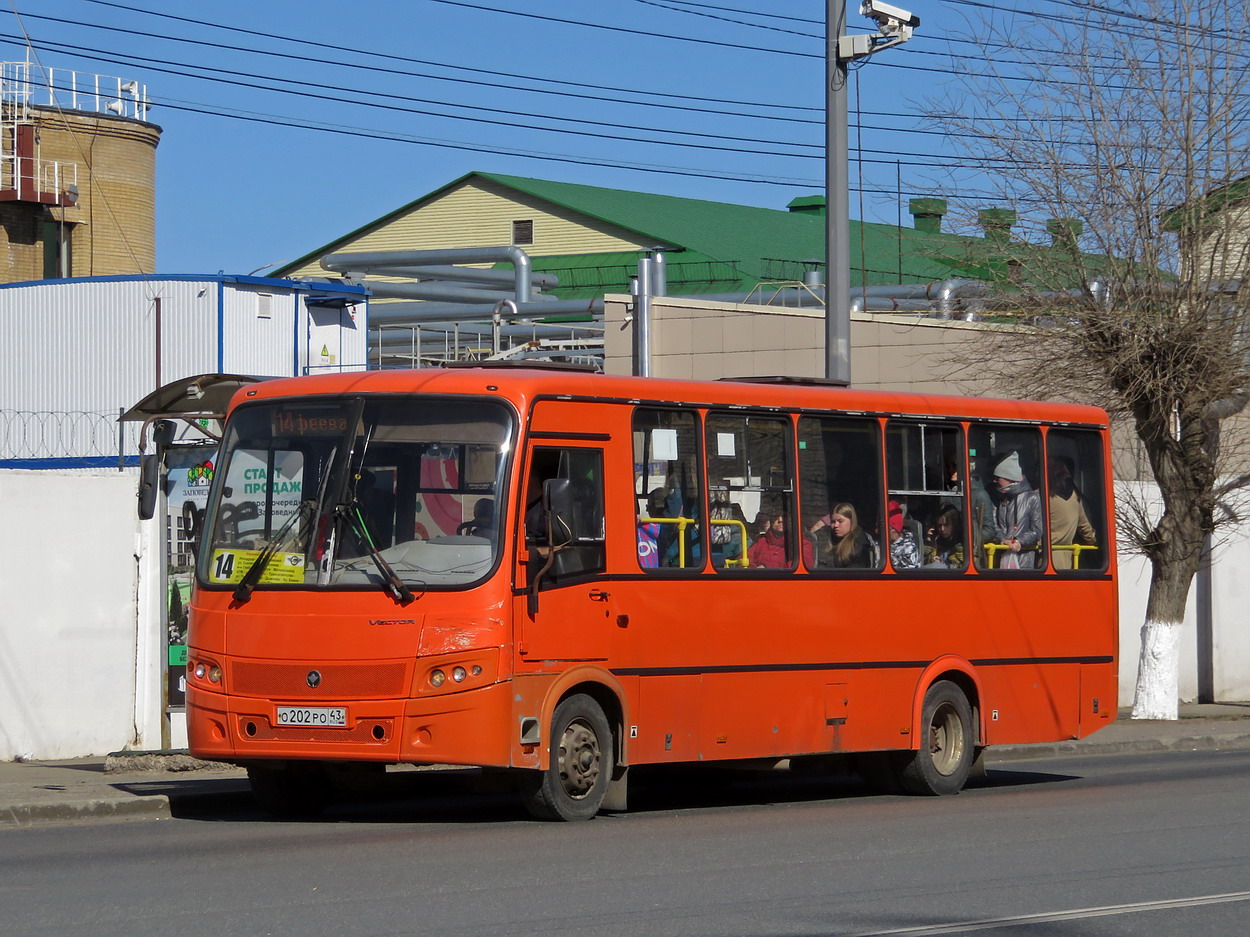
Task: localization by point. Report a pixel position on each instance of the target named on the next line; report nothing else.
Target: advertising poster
(189, 472)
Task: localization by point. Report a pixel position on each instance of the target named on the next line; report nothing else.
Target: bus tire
(947, 745)
(579, 764)
(290, 791)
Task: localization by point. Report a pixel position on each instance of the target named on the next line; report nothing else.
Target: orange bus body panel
(698, 667)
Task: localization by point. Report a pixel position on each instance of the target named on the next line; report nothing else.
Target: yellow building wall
(115, 218)
(479, 213)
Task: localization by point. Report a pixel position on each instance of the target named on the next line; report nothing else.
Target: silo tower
(77, 175)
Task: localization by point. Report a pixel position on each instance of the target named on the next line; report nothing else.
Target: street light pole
(894, 26)
(837, 202)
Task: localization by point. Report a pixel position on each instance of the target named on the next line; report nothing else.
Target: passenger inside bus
(655, 538)
(771, 549)
(849, 546)
(1018, 516)
(482, 523)
(904, 550)
(1069, 524)
(727, 529)
(944, 546)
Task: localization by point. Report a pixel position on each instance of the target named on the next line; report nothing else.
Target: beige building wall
(1224, 246)
(480, 213)
(702, 340)
(114, 221)
(699, 340)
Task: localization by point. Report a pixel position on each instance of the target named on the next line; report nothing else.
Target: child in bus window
(850, 545)
(945, 546)
(769, 550)
(904, 551)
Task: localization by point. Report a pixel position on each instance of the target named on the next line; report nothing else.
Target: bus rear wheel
(947, 745)
(579, 766)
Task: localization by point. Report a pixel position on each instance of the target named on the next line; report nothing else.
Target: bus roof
(519, 384)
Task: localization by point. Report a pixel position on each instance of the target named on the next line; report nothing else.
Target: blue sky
(286, 124)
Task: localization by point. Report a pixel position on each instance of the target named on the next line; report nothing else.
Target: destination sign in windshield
(309, 423)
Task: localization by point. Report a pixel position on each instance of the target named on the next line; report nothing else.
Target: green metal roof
(718, 247)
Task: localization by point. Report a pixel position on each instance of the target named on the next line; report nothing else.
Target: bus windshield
(335, 493)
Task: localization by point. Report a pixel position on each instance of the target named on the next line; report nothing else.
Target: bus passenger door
(571, 613)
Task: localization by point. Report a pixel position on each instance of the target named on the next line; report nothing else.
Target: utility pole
(894, 26)
(837, 201)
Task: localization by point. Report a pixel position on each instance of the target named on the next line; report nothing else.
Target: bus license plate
(331, 717)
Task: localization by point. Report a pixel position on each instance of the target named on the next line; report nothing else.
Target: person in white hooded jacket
(1018, 517)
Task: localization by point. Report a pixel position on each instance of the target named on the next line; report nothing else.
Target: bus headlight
(205, 671)
(456, 674)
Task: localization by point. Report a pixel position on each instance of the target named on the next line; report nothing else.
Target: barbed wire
(65, 434)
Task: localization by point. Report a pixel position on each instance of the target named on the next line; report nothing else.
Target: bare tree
(1124, 134)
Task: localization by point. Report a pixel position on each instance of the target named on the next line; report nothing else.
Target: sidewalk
(153, 785)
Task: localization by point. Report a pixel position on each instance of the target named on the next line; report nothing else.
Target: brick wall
(115, 218)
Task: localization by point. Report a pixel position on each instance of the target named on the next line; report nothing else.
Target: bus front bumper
(470, 727)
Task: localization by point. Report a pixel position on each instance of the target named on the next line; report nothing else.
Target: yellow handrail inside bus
(682, 523)
(742, 528)
(991, 551)
(1076, 548)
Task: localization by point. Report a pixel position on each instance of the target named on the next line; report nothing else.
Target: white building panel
(80, 351)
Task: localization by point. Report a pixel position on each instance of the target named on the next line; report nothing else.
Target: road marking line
(1047, 917)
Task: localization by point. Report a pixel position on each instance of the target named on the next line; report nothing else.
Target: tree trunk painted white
(1158, 673)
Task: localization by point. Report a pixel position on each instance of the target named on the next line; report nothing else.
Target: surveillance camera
(887, 16)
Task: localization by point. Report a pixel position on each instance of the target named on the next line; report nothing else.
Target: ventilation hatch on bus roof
(785, 379)
(523, 364)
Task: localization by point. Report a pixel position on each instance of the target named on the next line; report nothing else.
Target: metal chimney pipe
(642, 319)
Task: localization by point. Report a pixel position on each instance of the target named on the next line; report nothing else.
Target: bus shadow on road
(471, 796)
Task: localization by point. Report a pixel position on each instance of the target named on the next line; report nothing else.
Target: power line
(723, 19)
(338, 48)
(392, 136)
(624, 29)
(775, 16)
(121, 58)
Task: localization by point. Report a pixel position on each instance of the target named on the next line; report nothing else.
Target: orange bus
(567, 574)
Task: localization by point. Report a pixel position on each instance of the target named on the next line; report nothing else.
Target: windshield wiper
(243, 591)
(391, 581)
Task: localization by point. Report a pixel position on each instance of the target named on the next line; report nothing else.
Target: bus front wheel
(579, 764)
(947, 745)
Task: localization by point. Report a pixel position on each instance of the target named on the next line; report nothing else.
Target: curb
(1142, 746)
(28, 815)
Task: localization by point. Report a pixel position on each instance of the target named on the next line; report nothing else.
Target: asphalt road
(1102, 845)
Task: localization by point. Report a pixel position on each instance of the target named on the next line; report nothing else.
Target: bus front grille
(331, 681)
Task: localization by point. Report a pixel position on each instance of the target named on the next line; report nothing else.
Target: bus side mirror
(559, 510)
(149, 484)
(150, 468)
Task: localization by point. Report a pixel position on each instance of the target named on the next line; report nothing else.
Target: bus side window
(751, 493)
(579, 548)
(667, 489)
(840, 490)
(1076, 501)
(1009, 519)
(926, 498)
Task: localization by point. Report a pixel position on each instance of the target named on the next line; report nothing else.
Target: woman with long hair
(850, 545)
